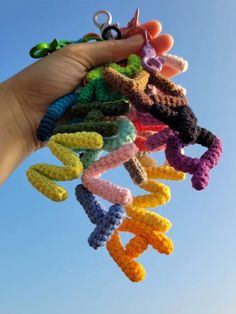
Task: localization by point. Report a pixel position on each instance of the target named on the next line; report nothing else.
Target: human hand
(27, 95)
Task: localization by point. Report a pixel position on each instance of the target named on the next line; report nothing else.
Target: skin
(25, 97)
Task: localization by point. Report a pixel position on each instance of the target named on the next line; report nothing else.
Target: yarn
(135, 91)
(124, 257)
(97, 90)
(118, 107)
(126, 134)
(106, 221)
(139, 217)
(133, 66)
(42, 176)
(136, 171)
(145, 125)
(92, 122)
(184, 121)
(175, 62)
(163, 172)
(198, 167)
(124, 110)
(104, 188)
(54, 113)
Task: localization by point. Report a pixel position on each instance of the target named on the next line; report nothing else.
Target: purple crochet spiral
(158, 139)
(198, 167)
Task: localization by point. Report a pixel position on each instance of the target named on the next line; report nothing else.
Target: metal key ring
(107, 34)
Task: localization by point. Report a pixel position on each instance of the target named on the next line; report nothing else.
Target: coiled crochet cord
(93, 122)
(94, 117)
(126, 134)
(145, 235)
(136, 171)
(54, 113)
(134, 89)
(105, 189)
(106, 221)
(42, 176)
(126, 111)
(198, 167)
(133, 66)
(147, 227)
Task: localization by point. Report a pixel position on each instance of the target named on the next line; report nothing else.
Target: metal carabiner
(107, 28)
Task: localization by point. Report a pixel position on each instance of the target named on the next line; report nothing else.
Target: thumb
(93, 54)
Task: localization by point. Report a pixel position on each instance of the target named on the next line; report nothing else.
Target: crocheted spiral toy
(126, 111)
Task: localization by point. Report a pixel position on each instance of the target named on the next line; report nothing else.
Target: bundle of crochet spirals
(124, 113)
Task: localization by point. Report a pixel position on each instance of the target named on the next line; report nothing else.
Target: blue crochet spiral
(107, 221)
(54, 113)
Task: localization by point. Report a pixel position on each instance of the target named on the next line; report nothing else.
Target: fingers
(93, 54)
(162, 43)
(152, 27)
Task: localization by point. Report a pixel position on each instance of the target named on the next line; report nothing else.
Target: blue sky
(46, 265)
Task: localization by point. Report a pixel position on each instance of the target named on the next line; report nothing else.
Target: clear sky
(46, 265)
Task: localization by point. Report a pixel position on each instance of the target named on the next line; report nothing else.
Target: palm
(30, 92)
(60, 73)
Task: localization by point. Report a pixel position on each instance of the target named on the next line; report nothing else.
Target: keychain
(44, 49)
(123, 111)
(107, 27)
(151, 62)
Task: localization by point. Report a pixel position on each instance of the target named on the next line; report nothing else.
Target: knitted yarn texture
(120, 114)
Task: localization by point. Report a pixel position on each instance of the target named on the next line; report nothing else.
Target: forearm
(15, 142)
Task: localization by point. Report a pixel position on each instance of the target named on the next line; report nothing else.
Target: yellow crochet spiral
(133, 270)
(160, 194)
(158, 240)
(165, 171)
(124, 257)
(147, 226)
(42, 176)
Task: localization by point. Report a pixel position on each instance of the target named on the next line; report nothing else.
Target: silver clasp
(107, 29)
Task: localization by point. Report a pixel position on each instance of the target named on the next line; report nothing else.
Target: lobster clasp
(107, 29)
(150, 61)
(44, 49)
